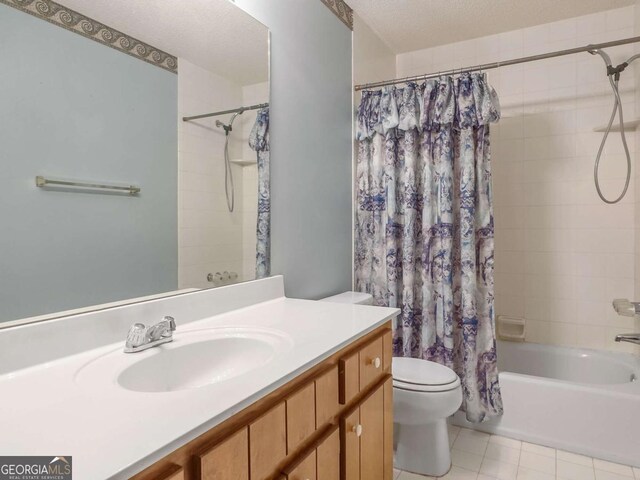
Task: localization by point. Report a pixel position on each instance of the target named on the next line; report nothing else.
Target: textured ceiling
(407, 25)
(214, 34)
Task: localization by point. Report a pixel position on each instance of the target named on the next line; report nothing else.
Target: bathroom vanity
(253, 386)
(335, 417)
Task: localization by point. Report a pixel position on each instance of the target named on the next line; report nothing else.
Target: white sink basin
(194, 359)
(196, 364)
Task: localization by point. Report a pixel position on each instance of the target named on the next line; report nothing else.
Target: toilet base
(423, 449)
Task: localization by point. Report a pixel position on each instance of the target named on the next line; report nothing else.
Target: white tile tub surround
(636, 72)
(209, 236)
(504, 458)
(561, 254)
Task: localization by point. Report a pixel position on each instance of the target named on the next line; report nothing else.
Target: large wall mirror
(121, 179)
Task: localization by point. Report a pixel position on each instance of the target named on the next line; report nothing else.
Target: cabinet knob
(376, 362)
(357, 429)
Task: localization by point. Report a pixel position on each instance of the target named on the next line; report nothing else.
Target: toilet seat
(412, 387)
(419, 375)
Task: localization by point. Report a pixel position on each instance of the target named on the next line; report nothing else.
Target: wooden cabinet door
(305, 470)
(172, 472)
(388, 429)
(301, 416)
(366, 437)
(327, 396)
(372, 437)
(328, 456)
(350, 446)
(268, 442)
(228, 460)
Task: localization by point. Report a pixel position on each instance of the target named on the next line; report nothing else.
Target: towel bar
(43, 182)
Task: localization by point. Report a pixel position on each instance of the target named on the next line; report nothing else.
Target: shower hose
(613, 74)
(617, 108)
(229, 191)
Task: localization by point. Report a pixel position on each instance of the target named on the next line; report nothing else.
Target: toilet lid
(421, 372)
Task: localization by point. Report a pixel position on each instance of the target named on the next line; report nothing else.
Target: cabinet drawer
(349, 377)
(228, 459)
(326, 396)
(371, 363)
(363, 368)
(267, 442)
(301, 416)
(387, 351)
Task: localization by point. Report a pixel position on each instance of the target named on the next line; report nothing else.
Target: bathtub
(583, 401)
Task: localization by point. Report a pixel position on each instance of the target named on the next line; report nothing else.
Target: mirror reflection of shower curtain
(259, 141)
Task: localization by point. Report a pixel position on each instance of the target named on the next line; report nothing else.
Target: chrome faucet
(629, 337)
(141, 337)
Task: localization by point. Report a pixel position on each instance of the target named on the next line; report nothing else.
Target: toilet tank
(350, 297)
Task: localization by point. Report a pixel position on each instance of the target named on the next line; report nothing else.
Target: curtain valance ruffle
(466, 101)
(259, 136)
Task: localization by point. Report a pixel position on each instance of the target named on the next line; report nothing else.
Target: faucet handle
(624, 307)
(137, 335)
(172, 322)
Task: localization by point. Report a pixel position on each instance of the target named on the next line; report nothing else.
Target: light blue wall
(73, 108)
(311, 145)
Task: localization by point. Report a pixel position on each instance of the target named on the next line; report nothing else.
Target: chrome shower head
(228, 128)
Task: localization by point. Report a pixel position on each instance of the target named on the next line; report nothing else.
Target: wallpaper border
(341, 10)
(75, 22)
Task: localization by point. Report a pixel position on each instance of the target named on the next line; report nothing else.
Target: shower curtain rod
(489, 66)
(224, 112)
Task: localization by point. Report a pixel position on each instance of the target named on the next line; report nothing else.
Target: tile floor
(480, 456)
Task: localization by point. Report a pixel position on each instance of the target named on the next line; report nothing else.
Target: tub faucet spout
(629, 337)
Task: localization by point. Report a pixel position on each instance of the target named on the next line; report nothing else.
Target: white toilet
(357, 298)
(424, 395)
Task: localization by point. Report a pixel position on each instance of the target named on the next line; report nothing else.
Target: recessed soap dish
(511, 329)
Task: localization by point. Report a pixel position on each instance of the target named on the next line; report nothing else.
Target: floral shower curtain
(259, 141)
(424, 225)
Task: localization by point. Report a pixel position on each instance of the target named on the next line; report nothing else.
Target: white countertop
(113, 433)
